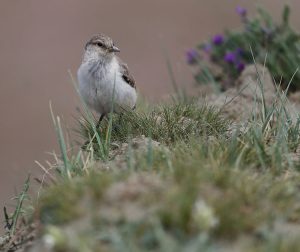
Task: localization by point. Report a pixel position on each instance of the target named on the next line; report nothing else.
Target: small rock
(128, 152)
(239, 102)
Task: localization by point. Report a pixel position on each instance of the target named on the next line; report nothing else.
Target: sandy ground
(41, 40)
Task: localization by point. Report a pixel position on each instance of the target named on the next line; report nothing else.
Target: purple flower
(241, 11)
(218, 39)
(230, 57)
(192, 56)
(240, 66)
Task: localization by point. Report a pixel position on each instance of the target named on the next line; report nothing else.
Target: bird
(104, 80)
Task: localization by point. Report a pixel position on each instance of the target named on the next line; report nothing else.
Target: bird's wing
(127, 77)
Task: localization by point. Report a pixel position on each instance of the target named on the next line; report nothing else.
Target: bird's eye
(100, 44)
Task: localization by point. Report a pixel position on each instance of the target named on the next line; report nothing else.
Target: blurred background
(41, 40)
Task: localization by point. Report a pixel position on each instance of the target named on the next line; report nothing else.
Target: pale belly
(107, 93)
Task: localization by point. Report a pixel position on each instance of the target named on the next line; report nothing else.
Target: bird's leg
(100, 120)
(97, 127)
(120, 117)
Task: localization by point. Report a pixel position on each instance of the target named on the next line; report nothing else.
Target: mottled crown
(101, 40)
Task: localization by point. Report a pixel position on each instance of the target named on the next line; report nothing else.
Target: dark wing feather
(127, 77)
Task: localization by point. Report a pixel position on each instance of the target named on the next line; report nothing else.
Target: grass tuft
(166, 124)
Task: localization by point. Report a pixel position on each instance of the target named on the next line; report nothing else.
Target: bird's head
(101, 45)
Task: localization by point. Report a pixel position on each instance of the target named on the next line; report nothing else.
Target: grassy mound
(178, 177)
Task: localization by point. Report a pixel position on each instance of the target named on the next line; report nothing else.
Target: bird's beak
(115, 49)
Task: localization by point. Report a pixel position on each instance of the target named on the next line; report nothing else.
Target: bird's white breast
(101, 84)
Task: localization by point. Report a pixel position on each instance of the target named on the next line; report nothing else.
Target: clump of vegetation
(276, 45)
(166, 124)
(214, 189)
(201, 196)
